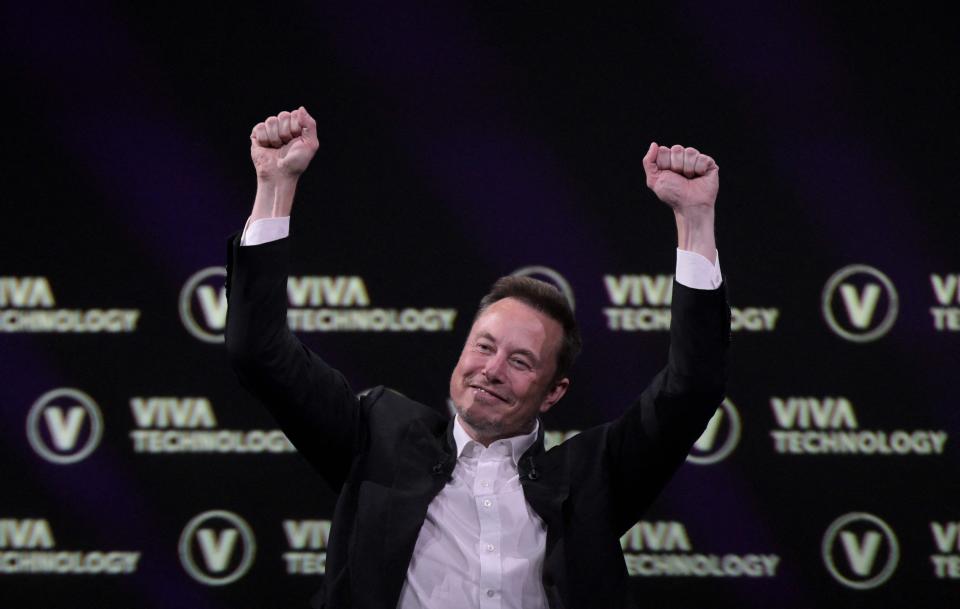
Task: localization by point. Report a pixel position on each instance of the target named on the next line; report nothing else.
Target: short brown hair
(547, 299)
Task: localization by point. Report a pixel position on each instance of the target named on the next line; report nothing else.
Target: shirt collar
(518, 444)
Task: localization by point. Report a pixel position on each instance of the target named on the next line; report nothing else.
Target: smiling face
(504, 377)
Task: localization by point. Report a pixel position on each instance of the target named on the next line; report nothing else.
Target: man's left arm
(648, 443)
(688, 182)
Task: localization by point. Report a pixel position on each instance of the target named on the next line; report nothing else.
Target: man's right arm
(311, 401)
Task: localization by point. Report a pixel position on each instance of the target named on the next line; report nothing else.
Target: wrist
(695, 231)
(274, 197)
(275, 180)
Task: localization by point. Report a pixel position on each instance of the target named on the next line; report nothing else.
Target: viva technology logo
(860, 550)
(719, 438)
(946, 537)
(315, 304)
(188, 425)
(641, 303)
(859, 303)
(663, 548)
(27, 304)
(203, 304)
(217, 547)
(27, 546)
(64, 426)
(307, 540)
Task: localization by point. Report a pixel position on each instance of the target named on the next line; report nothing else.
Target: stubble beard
(483, 427)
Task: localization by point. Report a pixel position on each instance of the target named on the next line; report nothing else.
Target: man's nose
(493, 370)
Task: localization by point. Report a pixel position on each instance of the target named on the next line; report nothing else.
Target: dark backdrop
(459, 143)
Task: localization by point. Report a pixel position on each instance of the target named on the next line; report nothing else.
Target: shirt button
(487, 503)
(491, 593)
(490, 547)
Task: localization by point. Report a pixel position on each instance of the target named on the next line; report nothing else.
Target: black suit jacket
(388, 456)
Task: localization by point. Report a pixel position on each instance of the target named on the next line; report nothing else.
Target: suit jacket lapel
(423, 467)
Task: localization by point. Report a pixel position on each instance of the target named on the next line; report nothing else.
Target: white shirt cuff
(695, 271)
(265, 230)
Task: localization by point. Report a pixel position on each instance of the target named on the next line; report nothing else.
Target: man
(473, 512)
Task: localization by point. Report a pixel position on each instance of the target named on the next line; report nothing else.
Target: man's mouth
(486, 390)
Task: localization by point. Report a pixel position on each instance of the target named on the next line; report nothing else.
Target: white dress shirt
(481, 545)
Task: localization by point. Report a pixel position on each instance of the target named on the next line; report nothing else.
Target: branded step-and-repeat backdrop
(459, 144)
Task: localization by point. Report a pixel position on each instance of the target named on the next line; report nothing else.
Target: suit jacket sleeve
(311, 401)
(651, 440)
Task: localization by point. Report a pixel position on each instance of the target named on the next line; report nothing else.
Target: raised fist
(283, 145)
(683, 178)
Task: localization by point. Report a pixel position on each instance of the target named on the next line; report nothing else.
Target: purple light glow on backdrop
(801, 91)
(461, 142)
(156, 181)
(453, 96)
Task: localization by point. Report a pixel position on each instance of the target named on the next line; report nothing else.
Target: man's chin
(481, 424)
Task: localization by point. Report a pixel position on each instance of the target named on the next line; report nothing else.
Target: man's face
(503, 378)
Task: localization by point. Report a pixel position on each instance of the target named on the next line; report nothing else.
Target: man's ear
(553, 396)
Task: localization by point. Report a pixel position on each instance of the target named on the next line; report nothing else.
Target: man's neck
(520, 442)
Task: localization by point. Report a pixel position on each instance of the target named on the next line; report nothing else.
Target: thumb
(308, 125)
(650, 162)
